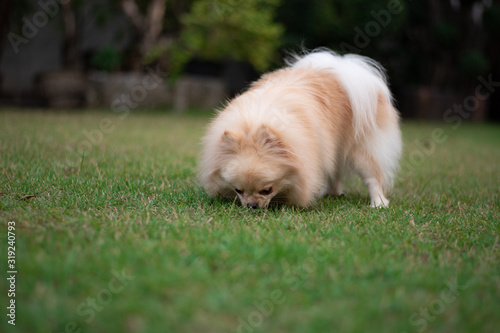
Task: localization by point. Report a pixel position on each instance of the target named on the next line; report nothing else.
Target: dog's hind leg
(369, 170)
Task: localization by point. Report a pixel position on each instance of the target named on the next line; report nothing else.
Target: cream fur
(298, 130)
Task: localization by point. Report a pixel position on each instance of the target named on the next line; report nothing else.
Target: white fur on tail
(362, 78)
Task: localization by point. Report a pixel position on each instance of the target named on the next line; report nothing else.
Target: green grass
(131, 205)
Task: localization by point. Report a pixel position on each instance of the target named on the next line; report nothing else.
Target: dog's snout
(253, 205)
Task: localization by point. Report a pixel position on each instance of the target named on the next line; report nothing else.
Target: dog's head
(257, 165)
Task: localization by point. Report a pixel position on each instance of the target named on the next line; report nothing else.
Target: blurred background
(442, 56)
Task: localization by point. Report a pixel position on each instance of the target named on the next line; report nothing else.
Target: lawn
(113, 234)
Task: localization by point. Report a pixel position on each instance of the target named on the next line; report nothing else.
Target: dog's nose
(253, 205)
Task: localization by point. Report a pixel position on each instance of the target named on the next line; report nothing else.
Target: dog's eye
(238, 191)
(266, 191)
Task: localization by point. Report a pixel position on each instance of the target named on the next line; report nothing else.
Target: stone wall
(146, 90)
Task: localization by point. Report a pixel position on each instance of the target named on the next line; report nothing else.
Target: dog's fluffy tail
(365, 84)
(363, 79)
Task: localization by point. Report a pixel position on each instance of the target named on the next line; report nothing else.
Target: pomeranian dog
(298, 131)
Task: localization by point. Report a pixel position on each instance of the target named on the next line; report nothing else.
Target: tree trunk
(70, 46)
(148, 27)
(5, 12)
(154, 24)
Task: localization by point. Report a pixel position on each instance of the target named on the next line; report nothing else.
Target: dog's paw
(379, 202)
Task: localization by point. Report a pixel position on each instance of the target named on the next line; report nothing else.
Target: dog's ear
(230, 141)
(268, 139)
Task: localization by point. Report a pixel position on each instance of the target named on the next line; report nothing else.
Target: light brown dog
(297, 131)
